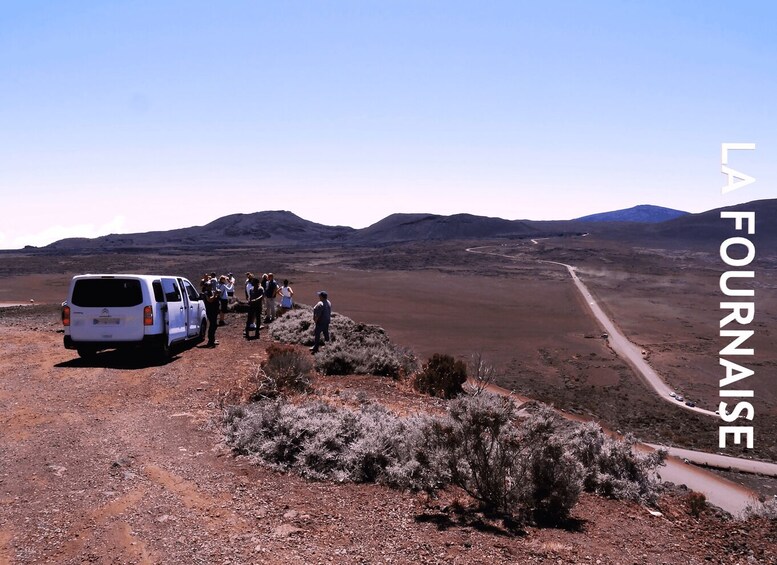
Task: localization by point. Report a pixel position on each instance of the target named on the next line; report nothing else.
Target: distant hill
(709, 227)
(268, 228)
(419, 227)
(704, 231)
(644, 213)
(650, 226)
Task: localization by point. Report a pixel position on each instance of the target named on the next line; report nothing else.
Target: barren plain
(119, 462)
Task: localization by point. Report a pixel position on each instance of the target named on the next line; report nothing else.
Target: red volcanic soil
(118, 461)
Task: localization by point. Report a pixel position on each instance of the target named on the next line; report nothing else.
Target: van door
(192, 307)
(176, 311)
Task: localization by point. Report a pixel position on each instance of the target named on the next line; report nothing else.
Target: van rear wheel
(86, 352)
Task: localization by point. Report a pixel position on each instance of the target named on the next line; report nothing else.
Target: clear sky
(131, 116)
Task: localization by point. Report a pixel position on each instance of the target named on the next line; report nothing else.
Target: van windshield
(107, 293)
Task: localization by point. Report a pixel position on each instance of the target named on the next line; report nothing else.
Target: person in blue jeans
(254, 319)
(211, 298)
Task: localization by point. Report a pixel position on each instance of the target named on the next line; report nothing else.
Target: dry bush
(521, 471)
(441, 376)
(555, 473)
(761, 509)
(481, 373)
(288, 368)
(696, 503)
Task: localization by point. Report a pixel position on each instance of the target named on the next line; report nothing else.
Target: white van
(116, 311)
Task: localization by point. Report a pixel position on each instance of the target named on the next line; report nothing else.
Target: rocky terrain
(120, 461)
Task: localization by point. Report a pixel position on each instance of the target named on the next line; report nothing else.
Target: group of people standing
(218, 293)
(261, 294)
(264, 293)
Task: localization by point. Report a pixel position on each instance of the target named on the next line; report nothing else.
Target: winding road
(727, 495)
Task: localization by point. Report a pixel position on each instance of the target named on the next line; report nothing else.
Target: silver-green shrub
(321, 442)
(521, 470)
(614, 468)
(523, 467)
(761, 509)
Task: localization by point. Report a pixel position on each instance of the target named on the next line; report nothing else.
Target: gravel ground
(122, 461)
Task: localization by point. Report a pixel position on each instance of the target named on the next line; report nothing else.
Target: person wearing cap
(322, 314)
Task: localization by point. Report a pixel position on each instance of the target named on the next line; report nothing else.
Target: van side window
(159, 295)
(172, 292)
(193, 294)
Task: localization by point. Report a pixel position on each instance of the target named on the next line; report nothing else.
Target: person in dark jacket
(212, 307)
(270, 292)
(322, 314)
(254, 318)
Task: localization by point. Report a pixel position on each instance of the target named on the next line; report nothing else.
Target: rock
(286, 530)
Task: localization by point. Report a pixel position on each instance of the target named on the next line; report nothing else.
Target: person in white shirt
(223, 298)
(231, 288)
(249, 285)
(286, 293)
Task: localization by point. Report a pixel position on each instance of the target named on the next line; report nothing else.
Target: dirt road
(727, 495)
(626, 349)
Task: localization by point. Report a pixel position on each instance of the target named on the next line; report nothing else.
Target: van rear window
(107, 293)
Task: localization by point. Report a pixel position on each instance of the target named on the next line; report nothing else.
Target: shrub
(524, 469)
(483, 451)
(614, 468)
(287, 368)
(441, 376)
(522, 472)
(761, 509)
(554, 474)
(354, 348)
(323, 442)
(696, 502)
(481, 373)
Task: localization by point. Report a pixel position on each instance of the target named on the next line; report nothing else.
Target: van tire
(86, 352)
(163, 353)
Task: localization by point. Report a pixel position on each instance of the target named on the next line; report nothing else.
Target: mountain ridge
(284, 228)
(642, 213)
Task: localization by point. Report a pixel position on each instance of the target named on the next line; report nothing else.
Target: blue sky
(120, 117)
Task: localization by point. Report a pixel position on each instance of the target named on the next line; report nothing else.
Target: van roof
(124, 275)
